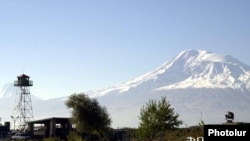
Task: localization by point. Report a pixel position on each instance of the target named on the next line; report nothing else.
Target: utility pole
(14, 121)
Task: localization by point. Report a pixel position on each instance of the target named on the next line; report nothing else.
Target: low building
(4, 130)
(61, 127)
(50, 127)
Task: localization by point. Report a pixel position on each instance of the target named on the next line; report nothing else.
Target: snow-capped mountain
(199, 84)
(191, 69)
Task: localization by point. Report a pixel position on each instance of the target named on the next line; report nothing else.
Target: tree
(88, 115)
(157, 117)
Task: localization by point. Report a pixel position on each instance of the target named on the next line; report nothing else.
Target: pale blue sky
(69, 46)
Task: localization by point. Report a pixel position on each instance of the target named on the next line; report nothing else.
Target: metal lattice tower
(24, 104)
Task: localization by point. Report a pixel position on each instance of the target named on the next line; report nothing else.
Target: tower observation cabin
(23, 80)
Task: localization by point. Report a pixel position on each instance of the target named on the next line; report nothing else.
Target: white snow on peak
(212, 57)
(210, 70)
(201, 56)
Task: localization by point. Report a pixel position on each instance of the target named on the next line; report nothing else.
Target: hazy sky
(71, 46)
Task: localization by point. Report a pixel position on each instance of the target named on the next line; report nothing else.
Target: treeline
(158, 121)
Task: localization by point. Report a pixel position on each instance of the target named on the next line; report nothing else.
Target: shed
(50, 127)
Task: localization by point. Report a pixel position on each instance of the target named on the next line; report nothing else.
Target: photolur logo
(239, 132)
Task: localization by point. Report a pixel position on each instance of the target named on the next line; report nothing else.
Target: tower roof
(23, 76)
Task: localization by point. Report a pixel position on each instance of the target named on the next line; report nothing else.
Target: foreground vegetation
(156, 118)
(158, 121)
(179, 134)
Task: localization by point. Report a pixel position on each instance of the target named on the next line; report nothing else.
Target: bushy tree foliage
(88, 115)
(157, 117)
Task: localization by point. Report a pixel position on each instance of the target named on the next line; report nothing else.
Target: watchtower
(24, 104)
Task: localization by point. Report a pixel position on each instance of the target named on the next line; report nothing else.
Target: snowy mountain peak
(190, 69)
(203, 69)
(196, 56)
(201, 55)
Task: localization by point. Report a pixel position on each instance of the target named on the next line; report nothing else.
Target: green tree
(157, 117)
(88, 115)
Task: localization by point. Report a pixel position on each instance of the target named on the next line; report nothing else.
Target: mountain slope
(190, 69)
(200, 85)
